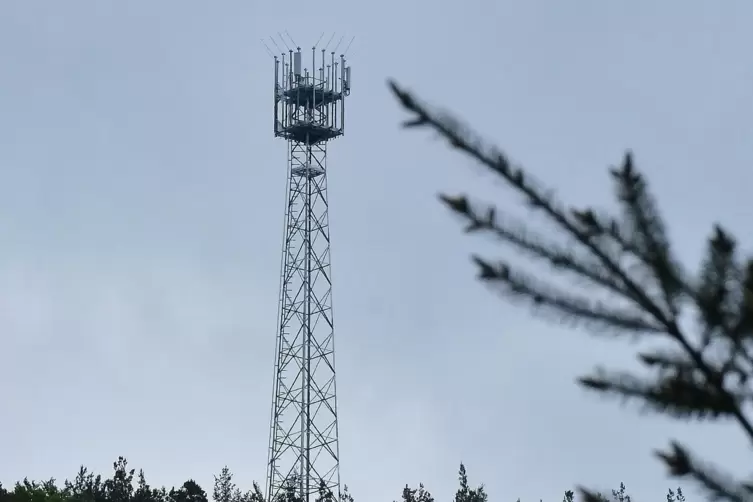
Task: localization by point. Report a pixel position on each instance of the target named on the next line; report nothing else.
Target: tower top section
(310, 100)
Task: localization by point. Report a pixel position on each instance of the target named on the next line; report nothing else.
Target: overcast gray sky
(141, 192)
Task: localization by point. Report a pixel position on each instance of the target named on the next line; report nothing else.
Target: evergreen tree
(325, 494)
(253, 495)
(419, 494)
(616, 274)
(467, 494)
(189, 492)
(345, 496)
(224, 488)
(675, 496)
(120, 487)
(291, 492)
(86, 487)
(33, 491)
(620, 495)
(143, 491)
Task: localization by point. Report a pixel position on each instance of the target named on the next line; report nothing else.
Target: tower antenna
(338, 43)
(275, 44)
(348, 46)
(266, 47)
(304, 452)
(291, 38)
(283, 41)
(329, 41)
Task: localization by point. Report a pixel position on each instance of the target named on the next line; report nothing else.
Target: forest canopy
(127, 485)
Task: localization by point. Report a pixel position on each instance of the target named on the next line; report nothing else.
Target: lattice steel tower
(303, 443)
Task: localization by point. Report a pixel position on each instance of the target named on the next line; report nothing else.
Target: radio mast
(303, 443)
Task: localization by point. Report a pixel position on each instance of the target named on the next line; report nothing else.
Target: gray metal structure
(303, 443)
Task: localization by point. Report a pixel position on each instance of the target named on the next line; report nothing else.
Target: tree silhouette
(144, 493)
(33, 491)
(290, 490)
(677, 496)
(467, 494)
(419, 494)
(120, 487)
(617, 275)
(345, 496)
(189, 492)
(224, 488)
(121, 483)
(86, 487)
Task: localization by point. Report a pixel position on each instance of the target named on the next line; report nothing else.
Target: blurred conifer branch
(626, 261)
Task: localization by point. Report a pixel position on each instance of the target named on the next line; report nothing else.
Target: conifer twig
(692, 384)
